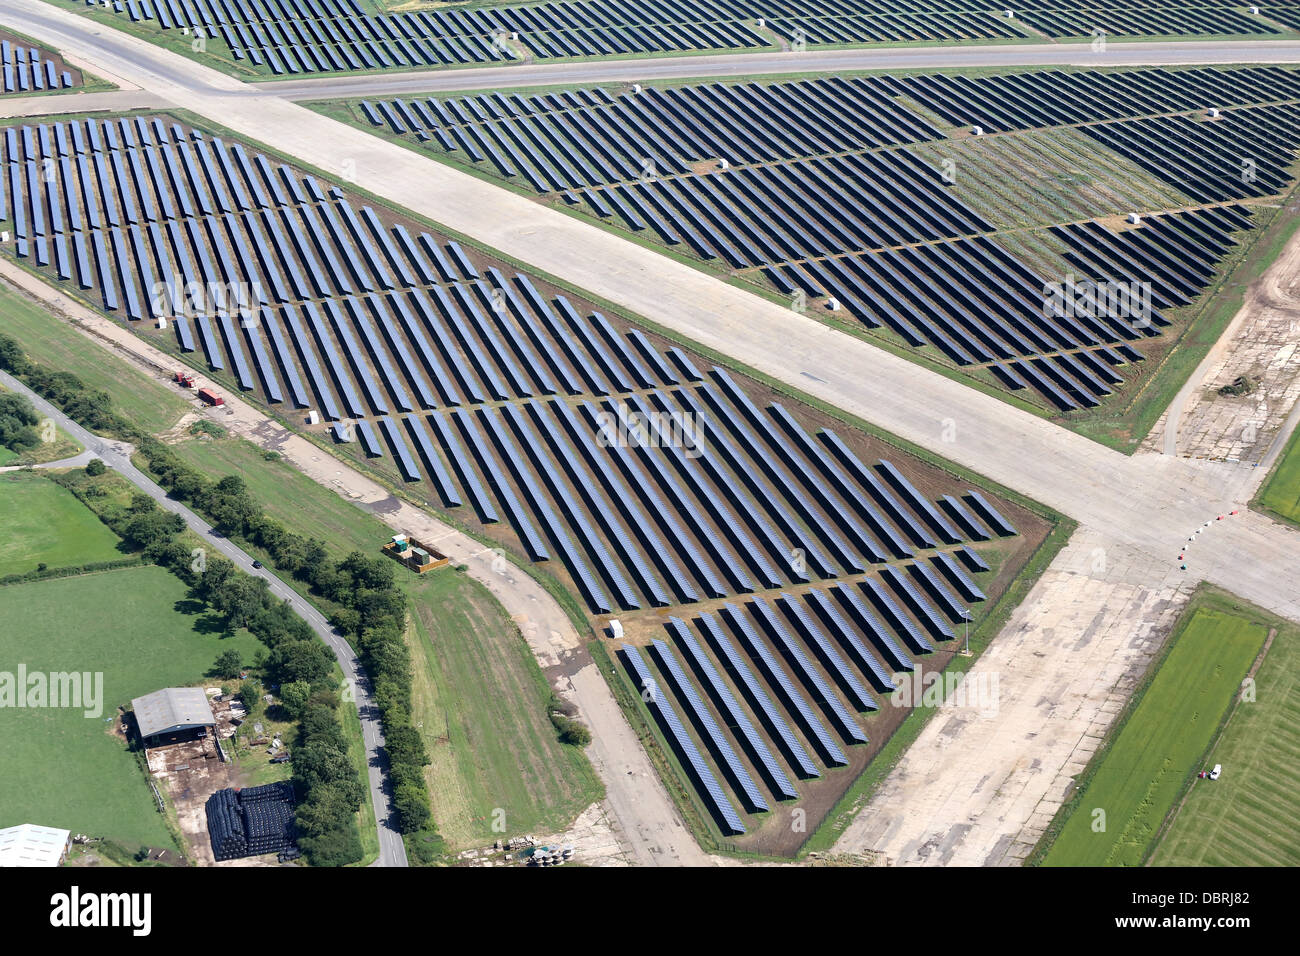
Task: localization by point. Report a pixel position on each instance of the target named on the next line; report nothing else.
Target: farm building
(30, 844)
(175, 713)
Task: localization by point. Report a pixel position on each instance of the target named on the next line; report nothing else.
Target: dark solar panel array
(25, 69)
(656, 698)
(786, 677)
(811, 183)
(651, 481)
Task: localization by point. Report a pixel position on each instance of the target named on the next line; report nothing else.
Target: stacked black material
(251, 821)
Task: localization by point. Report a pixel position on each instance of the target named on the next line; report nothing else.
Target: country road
(117, 455)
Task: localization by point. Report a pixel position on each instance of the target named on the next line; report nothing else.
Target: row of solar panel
(796, 686)
(23, 70)
(994, 311)
(760, 215)
(909, 27)
(349, 42)
(1176, 20)
(998, 103)
(1246, 152)
(617, 538)
(640, 136)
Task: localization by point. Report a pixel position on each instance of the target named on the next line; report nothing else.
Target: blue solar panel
(824, 649)
(714, 736)
(781, 682)
(657, 700)
(402, 453)
(958, 576)
(733, 712)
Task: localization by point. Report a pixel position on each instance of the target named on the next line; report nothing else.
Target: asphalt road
(117, 455)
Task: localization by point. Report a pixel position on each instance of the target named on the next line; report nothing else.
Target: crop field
(638, 474)
(286, 37)
(998, 244)
(26, 69)
(1160, 746)
(64, 769)
(1281, 494)
(45, 524)
(1246, 817)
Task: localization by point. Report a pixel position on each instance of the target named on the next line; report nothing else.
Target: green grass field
(54, 343)
(45, 523)
(1246, 817)
(138, 628)
(1281, 494)
(287, 494)
(480, 702)
(1160, 746)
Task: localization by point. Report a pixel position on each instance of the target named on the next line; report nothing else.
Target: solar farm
(649, 481)
(28, 69)
(1129, 192)
(294, 37)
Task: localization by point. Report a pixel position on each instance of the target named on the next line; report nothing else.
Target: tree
(412, 804)
(405, 745)
(308, 661)
(153, 528)
(294, 696)
(11, 356)
(95, 468)
(18, 420)
(229, 664)
(250, 692)
(240, 596)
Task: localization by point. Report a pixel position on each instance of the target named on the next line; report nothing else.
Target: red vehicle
(210, 397)
(183, 379)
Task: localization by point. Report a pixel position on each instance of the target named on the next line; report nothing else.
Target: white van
(1218, 769)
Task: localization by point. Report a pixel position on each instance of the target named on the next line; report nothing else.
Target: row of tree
(88, 407)
(364, 602)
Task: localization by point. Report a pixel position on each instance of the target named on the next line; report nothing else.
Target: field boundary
(1204, 597)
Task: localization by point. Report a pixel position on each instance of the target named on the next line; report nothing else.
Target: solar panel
(780, 681)
(657, 700)
(714, 736)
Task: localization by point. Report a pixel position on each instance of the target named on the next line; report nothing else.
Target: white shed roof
(30, 845)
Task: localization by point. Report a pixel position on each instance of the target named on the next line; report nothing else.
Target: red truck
(210, 397)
